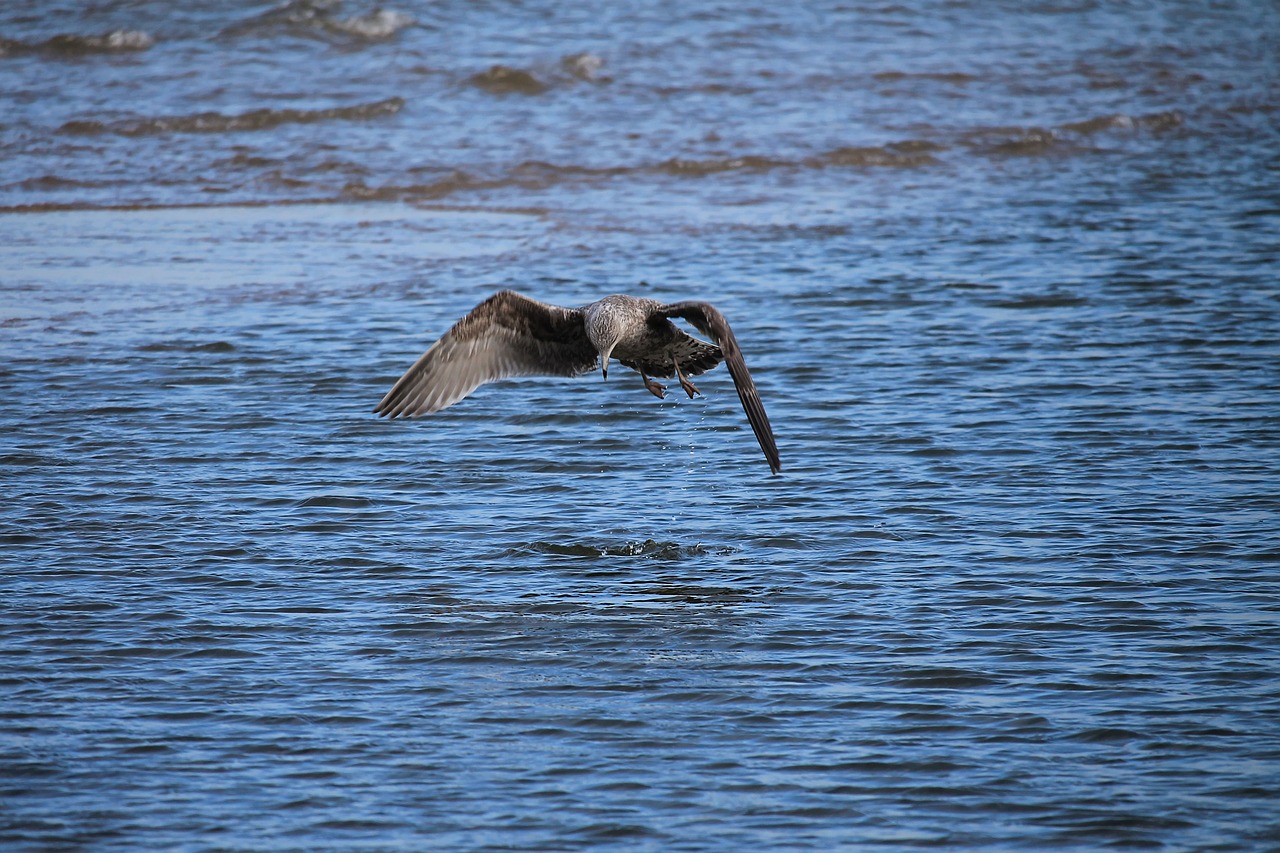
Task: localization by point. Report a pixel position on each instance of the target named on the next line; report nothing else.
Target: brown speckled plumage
(510, 334)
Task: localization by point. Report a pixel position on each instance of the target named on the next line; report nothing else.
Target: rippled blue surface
(1006, 278)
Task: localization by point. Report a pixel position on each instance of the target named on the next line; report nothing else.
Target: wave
(956, 77)
(1153, 123)
(70, 45)
(505, 80)
(584, 66)
(211, 122)
(1064, 139)
(321, 19)
(901, 155)
(538, 175)
(748, 162)
(378, 25)
(501, 80)
(909, 154)
(1020, 142)
(273, 180)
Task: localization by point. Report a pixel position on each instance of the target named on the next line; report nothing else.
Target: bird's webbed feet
(689, 387)
(656, 389)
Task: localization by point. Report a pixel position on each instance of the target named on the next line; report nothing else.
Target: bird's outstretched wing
(508, 334)
(706, 319)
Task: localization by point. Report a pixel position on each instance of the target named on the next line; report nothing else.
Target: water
(1006, 278)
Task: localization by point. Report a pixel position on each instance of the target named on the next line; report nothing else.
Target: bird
(510, 334)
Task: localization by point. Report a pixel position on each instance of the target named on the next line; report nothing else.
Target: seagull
(510, 334)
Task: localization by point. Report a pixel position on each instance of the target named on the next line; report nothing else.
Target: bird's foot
(689, 387)
(656, 389)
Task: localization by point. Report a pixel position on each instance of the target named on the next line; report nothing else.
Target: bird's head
(605, 351)
(604, 330)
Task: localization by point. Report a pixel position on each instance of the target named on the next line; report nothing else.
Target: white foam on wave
(378, 24)
(127, 40)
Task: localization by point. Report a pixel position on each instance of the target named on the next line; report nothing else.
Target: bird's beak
(604, 363)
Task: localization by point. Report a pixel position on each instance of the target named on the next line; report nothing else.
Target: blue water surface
(1004, 275)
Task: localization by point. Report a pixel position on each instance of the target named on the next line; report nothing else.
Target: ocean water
(1006, 276)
